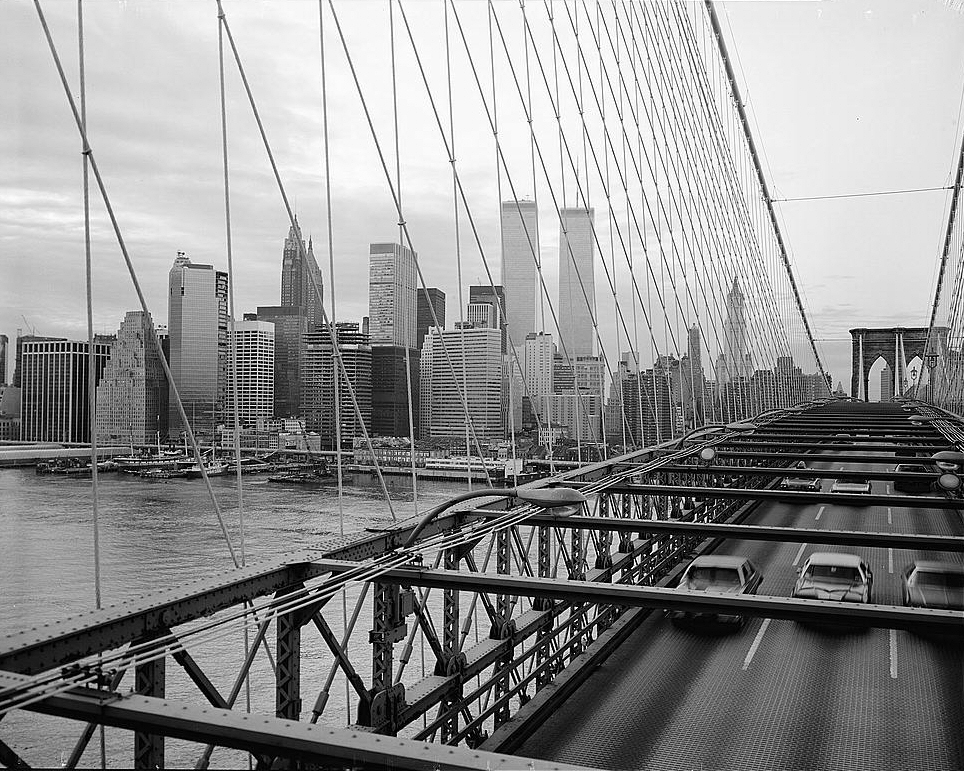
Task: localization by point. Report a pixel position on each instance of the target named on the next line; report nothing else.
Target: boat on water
(213, 468)
(165, 459)
(306, 477)
(163, 473)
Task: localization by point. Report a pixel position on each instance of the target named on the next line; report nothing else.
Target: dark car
(719, 574)
(860, 486)
(911, 485)
(928, 584)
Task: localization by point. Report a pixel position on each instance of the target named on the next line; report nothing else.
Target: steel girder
(807, 473)
(756, 532)
(883, 616)
(795, 496)
(268, 736)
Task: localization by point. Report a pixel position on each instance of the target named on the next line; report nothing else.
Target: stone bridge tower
(896, 346)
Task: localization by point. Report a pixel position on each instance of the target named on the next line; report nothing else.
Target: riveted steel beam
(794, 496)
(763, 533)
(270, 736)
(807, 473)
(884, 616)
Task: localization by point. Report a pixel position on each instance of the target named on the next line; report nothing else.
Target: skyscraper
(255, 372)
(132, 393)
(290, 325)
(520, 254)
(483, 315)
(576, 283)
(297, 268)
(197, 333)
(537, 361)
(425, 301)
(4, 340)
(441, 412)
(736, 352)
(55, 404)
(391, 295)
(494, 296)
(318, 368)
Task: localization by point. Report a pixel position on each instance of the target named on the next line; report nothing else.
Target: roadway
(777, 695)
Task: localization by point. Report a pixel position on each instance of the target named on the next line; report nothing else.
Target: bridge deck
(777, 695)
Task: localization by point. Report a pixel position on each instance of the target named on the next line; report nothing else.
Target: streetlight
(566, 500)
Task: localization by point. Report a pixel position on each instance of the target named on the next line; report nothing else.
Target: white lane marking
(819, 512)
(756, 644)
(890, 560)
(887, 488)
(890, 516)
(893, 654)
(799, 554)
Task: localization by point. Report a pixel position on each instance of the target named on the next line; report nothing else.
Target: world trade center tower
(576, 284)
(520, 251)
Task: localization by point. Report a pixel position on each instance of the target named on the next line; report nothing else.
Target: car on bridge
(861, 486)
(930, 584)
(836, 576)
(800, 483)
(911, 485)
(720, 574)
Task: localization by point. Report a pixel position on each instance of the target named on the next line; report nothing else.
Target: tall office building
(426, 300)
(647, 408)
(391, 295)
(482, 315)
(197, 339)
(393, 329)
(494, 296)
(390, 390)
(318, 377)
(290, 325)
(55, 404)
(576, 283)
(886, 384)
(736, 353)
(255, 373)
(520, 254)
(537, 364)
(132, 393)
(441, 412)
(297, 268)
(4, 341)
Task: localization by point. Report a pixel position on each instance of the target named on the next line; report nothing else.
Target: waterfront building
(9, 413)
(255, 373)
(290, 326)
(132, 392)
(576, 282)
(391, 295)
(476, 354)
(298, 267)
(197, 332)
(426, 300)
(319, 368)
(494, 296)
(520, 255)
(55, 399)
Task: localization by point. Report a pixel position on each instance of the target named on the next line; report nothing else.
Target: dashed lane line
(756, 644)
(893, 654)
(819, 512)
(890, 560)
(887, 488)
(799, 554)
(890, 516)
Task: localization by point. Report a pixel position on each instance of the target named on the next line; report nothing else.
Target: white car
(720, 574)
(835, 576)
(861, 486)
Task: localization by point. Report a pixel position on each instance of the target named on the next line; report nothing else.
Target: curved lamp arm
(543, 497)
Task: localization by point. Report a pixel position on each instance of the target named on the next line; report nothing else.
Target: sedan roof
(718, 561)
(832, 558)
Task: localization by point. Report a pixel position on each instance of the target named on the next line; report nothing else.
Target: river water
(162, 533)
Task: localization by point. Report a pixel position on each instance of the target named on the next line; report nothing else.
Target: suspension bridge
(528, 626)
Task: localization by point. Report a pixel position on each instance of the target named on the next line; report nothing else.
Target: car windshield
(852, 482)
(838, 573)
(911, 469)
(939, 580)
(702, 577)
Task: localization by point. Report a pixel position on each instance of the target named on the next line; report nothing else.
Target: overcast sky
(845, 97)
